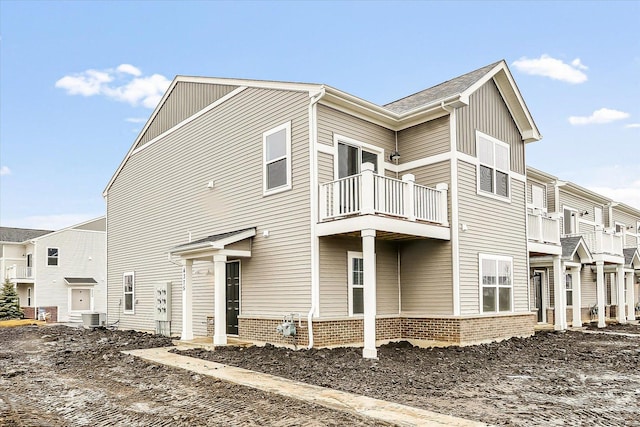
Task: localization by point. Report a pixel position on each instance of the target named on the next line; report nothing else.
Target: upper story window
(620, 227)
(128, 284)
(537, 196)
(569, 221)
(494, 166)
(352, 154)
(597, 214)
(496, 281)
(276, 148)
(52, 256)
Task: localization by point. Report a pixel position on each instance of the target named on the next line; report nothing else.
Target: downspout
(397, 173)
(313, 192)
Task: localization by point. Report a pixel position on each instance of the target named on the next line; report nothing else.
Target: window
(620, 227)
(128, 282)
(356, 283)
(597, 214)
(277, 159)
(352, 154)
(537, 196)
(494, 168)
(569, 221)
(568, 280)
(52, 256)
(496, 278)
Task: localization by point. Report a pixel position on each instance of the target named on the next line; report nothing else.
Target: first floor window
(129, 289)
(52, 256)
(496, 277)
(568, 280)
(356, 283)
(494, 165)
(277, 158)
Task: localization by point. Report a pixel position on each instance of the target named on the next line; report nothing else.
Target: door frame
(239, 291)
(91, 299)
(543, 291)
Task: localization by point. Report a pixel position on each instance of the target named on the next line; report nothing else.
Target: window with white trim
(128, 285)
(356, 282)
(537, 196)
(568, 280)
(352, 154)
(620, 227)
(496, 283)
(597, 215)
(276, 149)
(494, 166)
(53, 256)
(569, 223)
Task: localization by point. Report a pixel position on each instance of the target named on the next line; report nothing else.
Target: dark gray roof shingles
(569, 245)
(628, 255)
(19, 235)
(80, 280)
(439, 92)
(215, 237)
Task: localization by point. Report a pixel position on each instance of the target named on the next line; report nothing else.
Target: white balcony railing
(19, 272)
(602, 242)
(368, 193)
(543, 229)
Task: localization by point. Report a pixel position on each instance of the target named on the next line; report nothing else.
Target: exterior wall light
(394, 156)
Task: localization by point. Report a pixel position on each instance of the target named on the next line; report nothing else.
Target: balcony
(543, 229)
(19, 272)
(367, 200)
(602, 242)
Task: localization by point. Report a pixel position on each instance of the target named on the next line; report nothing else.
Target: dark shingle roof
(441, 91)
(569, 245)
(628, 255)
(80, 280)
(19, 235)
(214, 237)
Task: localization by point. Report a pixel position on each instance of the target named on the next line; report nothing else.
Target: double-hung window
(356, 283)
(496, 282)
(129, 283)
(53, 255)
(276, 149)
(494, 166)
(568, 280)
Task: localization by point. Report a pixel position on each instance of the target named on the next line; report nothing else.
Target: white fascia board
(586, 193)
(235, 238)
(71, 227)
(609, 259)
(312, 88)
(583, 252)
(380, 223)
(544, 248)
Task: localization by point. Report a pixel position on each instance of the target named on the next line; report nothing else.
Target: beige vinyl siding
(551, 199)
(334, 296)
(627, 220)
(332, 122)
(488, 113)
(325, 168)
(184, 100)
(494, 227)
(530, 184)
(203, 290)
(581, 204)
(99, 224)
(426, 277)
(432, 175)
(161, 196)
(588, 287)
(424, 140)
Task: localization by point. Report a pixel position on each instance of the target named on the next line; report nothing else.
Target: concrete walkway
(374, 408)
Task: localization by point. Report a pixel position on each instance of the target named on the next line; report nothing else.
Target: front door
(80, 299)
(233, 296)
(537, 285)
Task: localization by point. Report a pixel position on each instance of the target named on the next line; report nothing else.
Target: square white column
(631, 297)
(187, 300)
(600, 293)
(559, 290)
(369, 297)
(220, 300)
(621, 314)
(577, 297)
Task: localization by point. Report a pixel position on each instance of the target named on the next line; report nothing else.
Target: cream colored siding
(325, 168)
(202, 274)
(332, 122)
(493, 227)
(99, 224)
(424, 140)
(184, 100)
(488, 113)
(530, 184)
(426, 277)
(629, 221)
(161, 195)
(588, 287)
(551, 199)
(334, 296)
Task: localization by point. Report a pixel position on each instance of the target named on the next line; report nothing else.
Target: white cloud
(629, 194)
(601, 116)
(135, 120)
(125, 83)
(50, 222)
(553, 68)
(632, 125)
(4, 170)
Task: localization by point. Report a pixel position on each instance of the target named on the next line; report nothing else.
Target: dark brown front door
(233, 296)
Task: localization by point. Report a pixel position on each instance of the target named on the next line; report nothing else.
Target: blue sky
(78, 79)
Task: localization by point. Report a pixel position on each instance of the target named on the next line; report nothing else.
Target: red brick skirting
(459, 330)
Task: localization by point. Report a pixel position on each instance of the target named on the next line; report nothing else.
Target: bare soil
(570, 378)
(62, 376)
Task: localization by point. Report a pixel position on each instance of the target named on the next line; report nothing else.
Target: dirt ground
(62, 376)
(569, 378)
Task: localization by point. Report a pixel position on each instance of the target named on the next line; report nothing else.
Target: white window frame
(337, 139)
(132, 293)
(599, 224)
(568, 279)
(493, 167)
(57, 257)
(351, 255)
(574, 215)
(543, 207)
(287, 186)
(497, 286)
(70, 299)
(621, 225)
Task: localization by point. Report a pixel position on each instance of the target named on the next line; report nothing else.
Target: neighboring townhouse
(243, 202)
(60, 274)
(583, 253)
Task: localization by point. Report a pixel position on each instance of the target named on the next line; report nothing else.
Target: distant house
(244, 201)
(58, 273)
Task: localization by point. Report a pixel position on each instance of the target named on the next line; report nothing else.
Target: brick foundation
(29, 312)
(585, 314)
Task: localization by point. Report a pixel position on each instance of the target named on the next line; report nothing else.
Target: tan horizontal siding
(493, 227)
(325, 168)
(161, 196)
(424, 140)
(581, 204)
(488, 113)
(532, 182)
(588, 287)
(435, 174)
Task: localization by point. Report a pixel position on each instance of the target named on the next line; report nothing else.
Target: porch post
(409, 196)
(369, 262)
(220, 299)
(559, 290)
(622, 303)
(577, 296)
(600, 293)
(631, 297)
(368, 199)
(187, 300)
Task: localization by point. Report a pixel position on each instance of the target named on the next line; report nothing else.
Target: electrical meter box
(162, 296)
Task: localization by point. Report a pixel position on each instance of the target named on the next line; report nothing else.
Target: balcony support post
(220, 299)
(369, 263)
(621, 314)
(631, 297)
(368, 199)
(187, 300)
(559, 295)
(600, 293)
(577, 297)
(443, 204)
(409, 196)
